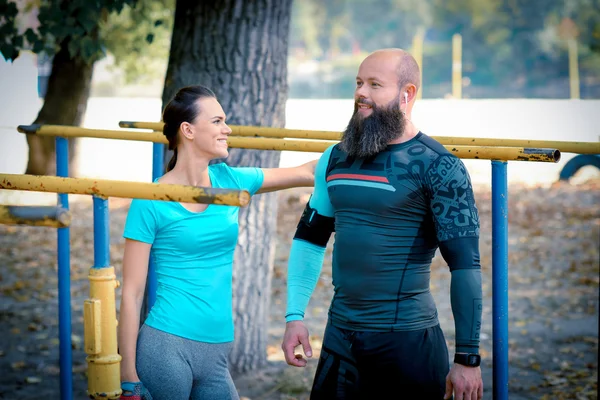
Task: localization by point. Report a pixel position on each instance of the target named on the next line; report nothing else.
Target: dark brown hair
(182, 108)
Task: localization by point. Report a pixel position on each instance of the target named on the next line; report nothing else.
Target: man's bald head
(406, 66)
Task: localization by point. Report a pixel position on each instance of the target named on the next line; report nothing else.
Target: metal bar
(573, 69)
(468, 152)
(100, 335)
(101, 233)
(417, 52)
(125, 189)
(457, 66)
(158, 168)
(49, 216)
(255, 131)
(64, 279)
(500, 278)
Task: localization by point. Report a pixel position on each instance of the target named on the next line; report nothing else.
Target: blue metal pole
(64, 280)
(500, 278)
(158, 167)
(101, 233)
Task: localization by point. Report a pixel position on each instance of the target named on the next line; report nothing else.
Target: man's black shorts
(381, 365)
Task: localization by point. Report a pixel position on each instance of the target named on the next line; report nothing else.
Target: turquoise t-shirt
(193, 257)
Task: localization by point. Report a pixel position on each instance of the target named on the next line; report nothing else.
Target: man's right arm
(305, 263)
(308, 246)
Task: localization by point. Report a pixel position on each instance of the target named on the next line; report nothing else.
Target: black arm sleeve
(457, 227)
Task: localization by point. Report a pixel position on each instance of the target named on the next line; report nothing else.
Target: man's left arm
(457, 226)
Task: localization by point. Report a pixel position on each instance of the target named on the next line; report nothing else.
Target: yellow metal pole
(49, 216)
(573, 69)
(562, 146)
(251, 131)
(314, 146)
(457, 66)
(297, 145)
(125, 189)
(100, 335)
(417, 53)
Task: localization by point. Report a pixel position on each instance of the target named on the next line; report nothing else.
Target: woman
(181, 351)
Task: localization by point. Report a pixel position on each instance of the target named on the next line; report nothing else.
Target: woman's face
(210, 131)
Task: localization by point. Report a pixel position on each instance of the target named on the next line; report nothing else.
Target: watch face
(474, 359)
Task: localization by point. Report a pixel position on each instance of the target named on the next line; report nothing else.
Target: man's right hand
(296, 334)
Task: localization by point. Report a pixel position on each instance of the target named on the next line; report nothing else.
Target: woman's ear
(187, 130)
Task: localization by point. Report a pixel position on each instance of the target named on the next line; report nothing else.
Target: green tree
(76, 33)
(139, 39)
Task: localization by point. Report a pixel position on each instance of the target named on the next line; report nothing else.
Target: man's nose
(360, 92)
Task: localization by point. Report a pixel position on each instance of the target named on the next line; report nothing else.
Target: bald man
(393, 196)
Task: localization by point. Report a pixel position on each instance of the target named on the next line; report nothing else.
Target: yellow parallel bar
(49, 216)
(316, 146)
(457, 66)
(563, 146)
(417, 53)
(254, 131)
(125, 189)
(100, 335)
(573, 69)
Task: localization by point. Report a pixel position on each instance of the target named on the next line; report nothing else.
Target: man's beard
(367, 136)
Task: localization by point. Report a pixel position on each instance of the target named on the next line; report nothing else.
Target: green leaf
(30, 35)
(10, 53)
(38, 46)
(89, 19)
(73, 48)
(11, 10)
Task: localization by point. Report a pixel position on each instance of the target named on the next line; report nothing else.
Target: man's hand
(296, 334)
(465, 381)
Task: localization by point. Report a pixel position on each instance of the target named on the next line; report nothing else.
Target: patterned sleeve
(452, 201)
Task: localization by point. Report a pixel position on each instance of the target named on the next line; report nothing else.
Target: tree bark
(64, 104)
(239, 49)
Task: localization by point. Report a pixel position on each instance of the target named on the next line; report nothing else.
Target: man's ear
(409, 93)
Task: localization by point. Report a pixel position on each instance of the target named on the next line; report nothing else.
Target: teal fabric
(193, 255)
(306, 259)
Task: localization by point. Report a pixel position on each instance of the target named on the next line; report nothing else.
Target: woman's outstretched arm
(285, 178)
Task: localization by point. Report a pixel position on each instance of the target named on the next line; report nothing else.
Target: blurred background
(500, 69)
(516, 69)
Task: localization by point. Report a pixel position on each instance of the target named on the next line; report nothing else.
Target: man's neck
(410, 131)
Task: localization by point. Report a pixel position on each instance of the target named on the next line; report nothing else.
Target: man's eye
(358, 84)
(374, 84)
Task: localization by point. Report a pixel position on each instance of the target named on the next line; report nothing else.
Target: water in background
(570, 120)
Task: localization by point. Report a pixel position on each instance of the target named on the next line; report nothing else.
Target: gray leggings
(175, 368)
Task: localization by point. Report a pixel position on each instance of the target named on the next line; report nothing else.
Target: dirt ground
(554, 238)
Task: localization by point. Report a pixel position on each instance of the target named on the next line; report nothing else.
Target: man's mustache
(364, 101)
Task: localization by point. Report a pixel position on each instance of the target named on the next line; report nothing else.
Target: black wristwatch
(468, 359)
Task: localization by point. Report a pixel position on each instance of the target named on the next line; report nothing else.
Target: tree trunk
(64, 104)
(239, 49)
